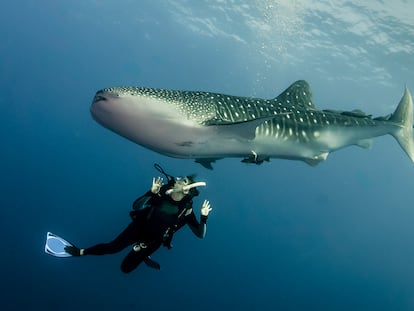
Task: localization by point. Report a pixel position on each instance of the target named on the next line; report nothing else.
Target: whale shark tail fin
(403, 116)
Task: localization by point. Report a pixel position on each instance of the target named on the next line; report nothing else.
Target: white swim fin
(55, 246)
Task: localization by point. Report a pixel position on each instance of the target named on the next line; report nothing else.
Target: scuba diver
(156, 216)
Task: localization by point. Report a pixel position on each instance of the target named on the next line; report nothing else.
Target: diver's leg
(126, 238)
(134, 258)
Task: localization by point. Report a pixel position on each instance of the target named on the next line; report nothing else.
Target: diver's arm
(198, 228)
(142, 201)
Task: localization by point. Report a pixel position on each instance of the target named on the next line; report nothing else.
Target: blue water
(281, 236)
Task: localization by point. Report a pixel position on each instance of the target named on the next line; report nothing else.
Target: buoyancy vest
(161, 214)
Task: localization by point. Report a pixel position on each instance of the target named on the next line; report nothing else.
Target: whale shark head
(158, 119)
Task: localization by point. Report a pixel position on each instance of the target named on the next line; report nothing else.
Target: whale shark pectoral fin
(316, 159)
(365, 143)
(207, 162)
(245, 129)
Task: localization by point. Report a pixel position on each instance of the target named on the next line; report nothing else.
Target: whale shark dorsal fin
(298, 94)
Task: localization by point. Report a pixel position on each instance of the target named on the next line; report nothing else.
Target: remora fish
(209, 126)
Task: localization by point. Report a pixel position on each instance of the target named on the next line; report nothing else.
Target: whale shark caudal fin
(403, 115)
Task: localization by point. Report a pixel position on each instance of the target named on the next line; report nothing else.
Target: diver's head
(184, 187)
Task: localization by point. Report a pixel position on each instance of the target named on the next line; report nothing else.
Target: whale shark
(207, 126)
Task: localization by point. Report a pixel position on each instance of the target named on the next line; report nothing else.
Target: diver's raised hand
(205, 208)
(156, 185)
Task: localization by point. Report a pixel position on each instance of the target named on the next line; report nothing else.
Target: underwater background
(282, 235)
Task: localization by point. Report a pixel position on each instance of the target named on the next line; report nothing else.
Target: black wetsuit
(154, 225)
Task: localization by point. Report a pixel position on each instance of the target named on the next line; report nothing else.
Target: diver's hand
(205, 208)
(156, 185)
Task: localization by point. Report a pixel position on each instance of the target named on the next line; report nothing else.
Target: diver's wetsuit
(153, 225)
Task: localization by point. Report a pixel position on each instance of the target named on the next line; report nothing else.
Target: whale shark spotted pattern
(209, 126)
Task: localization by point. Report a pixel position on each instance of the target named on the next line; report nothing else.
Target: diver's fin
(152, 263)
(55, 245)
